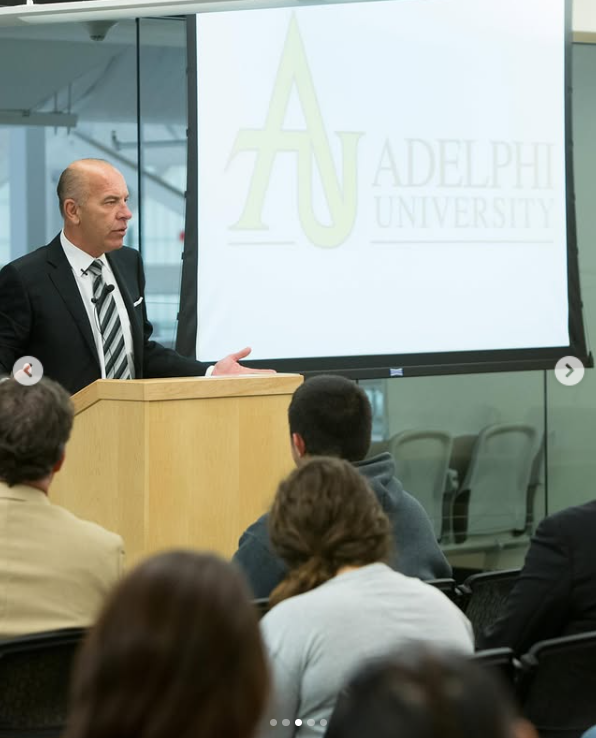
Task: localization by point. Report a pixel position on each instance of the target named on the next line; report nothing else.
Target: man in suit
(555, 593)
(78, 304)
(331, 416)
(55, 569)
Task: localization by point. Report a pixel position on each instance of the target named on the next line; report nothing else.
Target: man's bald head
(74, 180)
(94, 204)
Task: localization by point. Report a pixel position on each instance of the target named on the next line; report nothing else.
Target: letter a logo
(311, 147)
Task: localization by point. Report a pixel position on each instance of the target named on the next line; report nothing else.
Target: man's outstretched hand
(229, 365)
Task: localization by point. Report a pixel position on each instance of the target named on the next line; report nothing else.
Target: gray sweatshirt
(417, 553)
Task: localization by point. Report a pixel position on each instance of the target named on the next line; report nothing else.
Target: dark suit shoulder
(571, 519)
(30, 263)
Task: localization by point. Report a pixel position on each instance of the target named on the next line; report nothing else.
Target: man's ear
(298, 445)
(71, 211)
(58, 465)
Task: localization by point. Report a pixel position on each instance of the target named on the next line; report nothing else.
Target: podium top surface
(185, 388)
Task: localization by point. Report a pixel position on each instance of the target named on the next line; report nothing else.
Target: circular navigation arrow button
(569, 371)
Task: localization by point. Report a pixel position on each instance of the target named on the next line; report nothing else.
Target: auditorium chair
(34, 683)
(557, 685)
(483, 596)
(421, 461)
(493, 497)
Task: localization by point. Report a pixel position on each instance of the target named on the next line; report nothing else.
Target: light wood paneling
(182, 462)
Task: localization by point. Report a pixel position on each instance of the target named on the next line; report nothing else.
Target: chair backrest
(557, 686)
(501, 661)
(34, 682)
(496, 483)
(484, 596)
(422, 459)
(448, 587)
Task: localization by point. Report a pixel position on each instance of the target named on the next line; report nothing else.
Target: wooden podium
(177, 462)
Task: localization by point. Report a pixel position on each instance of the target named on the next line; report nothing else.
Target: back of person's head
(324, 517)
(176, 652)
(333, 416)
(35, 424)
(424, 693)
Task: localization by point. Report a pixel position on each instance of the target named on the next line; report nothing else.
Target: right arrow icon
(569, 371)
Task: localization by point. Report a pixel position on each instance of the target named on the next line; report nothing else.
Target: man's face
(102, 212)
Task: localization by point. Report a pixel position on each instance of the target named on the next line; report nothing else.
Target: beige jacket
(55, 569)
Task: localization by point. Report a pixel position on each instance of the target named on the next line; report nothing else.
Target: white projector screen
(384, 184)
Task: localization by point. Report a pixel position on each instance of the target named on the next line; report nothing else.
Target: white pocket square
(138, 302)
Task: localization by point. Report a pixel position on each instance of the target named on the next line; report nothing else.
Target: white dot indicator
(310, 722)
(298, 721)
(285, 722)
(273, 723)
(323, 722)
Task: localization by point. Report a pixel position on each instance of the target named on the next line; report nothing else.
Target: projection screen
(382, 187)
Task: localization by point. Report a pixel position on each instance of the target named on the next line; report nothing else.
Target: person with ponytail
(340, 604)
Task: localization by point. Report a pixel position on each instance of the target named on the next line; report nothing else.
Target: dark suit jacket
(42, 315)
(555, 594)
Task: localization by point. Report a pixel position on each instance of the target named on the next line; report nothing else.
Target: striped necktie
(110, 327)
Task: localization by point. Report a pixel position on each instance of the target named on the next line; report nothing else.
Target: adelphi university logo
(312, 150)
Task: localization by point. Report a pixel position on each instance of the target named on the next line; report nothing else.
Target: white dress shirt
(80, 261)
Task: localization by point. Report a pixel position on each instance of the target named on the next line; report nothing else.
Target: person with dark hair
(55, 569)
(176, 652)
(77, 304)
(331, 416)
(340, 603)
(424, 693)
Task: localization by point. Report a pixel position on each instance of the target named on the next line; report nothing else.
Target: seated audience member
(423, 693)
(176, 653)
(331, 416)
(55, 569)
(339, 604)
(555, 593)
